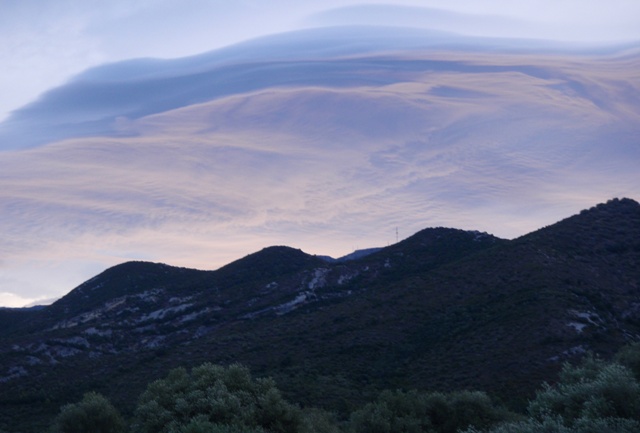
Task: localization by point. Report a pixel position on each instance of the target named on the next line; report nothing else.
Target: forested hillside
(445, 310)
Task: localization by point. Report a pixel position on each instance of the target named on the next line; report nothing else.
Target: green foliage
(200, 424)
(556, 425)
(393, 412)
(414, 412)
(94, 413)
(319, 421)
(629, 356)
(592, 390)
(592, 397)
(211, 395)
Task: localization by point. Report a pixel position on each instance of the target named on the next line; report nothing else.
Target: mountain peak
(271, 262)
(616, 221)
(616, 204)
(127, 278)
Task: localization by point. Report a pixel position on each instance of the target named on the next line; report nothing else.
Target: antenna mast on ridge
(396, 235)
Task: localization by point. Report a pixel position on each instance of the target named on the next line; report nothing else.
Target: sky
(329, 154)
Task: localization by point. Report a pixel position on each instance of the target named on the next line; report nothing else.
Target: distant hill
(357, 254)
(444, 309)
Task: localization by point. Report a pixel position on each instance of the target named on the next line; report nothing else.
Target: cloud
(495, 142)
(101, 100)
(477, 24)
(570, 20)
(44, 43)
(12, 300)
(326, 154)
(93, 101)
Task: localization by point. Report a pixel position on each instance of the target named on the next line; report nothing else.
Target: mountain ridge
(444, 309)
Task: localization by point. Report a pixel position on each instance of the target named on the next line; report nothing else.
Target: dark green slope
(501, 319)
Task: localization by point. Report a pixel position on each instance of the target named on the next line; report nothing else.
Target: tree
(629, 356)
(591, 397)
(212, 398)
(593, 389)
(550, 424)
(200, 424)
(94, 413)
(415, 412)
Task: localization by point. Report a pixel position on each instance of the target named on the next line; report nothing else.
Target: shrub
(556, 425)
(592, 397)
(629, 356)
(94, 413)
(591, 390)
(200, 424)
(319, 421)
(413, 412)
